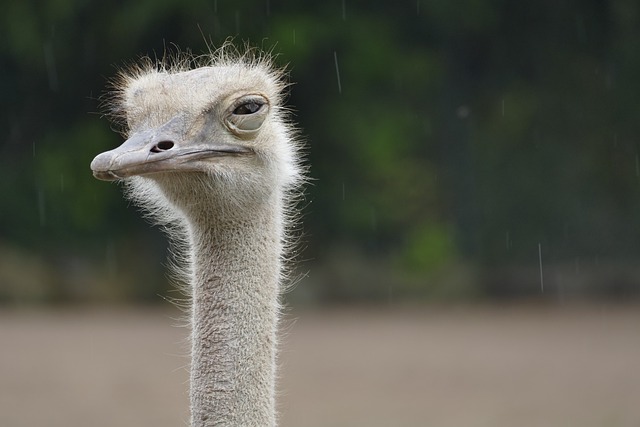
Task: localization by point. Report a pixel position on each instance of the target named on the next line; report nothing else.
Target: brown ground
(444, 367)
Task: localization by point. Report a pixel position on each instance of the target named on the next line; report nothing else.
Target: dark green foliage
(443, 136)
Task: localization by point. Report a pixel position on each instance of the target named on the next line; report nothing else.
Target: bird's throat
(235, 291)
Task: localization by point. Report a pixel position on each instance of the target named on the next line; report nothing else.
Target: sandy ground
(392, 367)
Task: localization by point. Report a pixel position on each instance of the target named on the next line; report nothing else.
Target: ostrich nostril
(162, 146)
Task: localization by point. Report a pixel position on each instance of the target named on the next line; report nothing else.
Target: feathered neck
(236, 271)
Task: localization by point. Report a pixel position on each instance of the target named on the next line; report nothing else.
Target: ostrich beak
(157, 150)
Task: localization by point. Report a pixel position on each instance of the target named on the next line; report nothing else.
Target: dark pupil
(248, 108)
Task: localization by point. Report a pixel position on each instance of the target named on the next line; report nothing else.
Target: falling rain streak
(50, 63)
(335, 59)
(344, 10)
(540, 262)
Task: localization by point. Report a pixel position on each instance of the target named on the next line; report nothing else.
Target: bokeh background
(453, 145)
(462, 153)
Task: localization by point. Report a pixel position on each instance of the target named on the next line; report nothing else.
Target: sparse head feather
(146, 72)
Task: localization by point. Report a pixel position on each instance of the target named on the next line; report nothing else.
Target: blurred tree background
(459, 150)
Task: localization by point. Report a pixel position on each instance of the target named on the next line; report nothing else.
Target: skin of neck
(236, 269)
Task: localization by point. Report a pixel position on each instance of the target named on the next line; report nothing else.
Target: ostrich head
(220, 125)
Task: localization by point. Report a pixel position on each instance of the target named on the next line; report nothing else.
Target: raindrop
(508, 241)
(343, 191)
(50, 64)
(344, 10)
(62, 183)
(215, 6)
(294, 37)
(335, 58)
(268, 8)
(463, 111)
(33, 148)
(502, 107)
(237, 21)
(540, 262)
(418, 7)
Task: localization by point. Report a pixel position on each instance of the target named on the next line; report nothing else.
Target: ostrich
(210, 153)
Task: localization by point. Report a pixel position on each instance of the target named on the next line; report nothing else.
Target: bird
(212, 155)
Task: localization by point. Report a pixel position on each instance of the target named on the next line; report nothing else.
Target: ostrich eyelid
(252, 98)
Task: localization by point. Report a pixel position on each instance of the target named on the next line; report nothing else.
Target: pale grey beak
(157, 150)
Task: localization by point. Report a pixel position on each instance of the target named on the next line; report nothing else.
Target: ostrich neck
(235, 284)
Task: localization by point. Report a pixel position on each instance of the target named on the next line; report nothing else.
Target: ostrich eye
(247, 108)
(246, 117)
